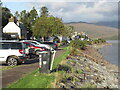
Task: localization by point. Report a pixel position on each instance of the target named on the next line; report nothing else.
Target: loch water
(111, 52)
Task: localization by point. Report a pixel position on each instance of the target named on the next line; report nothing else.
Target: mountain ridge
(95, 31)
(113, 24)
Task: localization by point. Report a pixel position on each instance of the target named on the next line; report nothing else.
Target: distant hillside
(109, 24)
(77, 22)
(95, 31)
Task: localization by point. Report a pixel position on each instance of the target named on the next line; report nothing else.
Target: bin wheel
(12, 61)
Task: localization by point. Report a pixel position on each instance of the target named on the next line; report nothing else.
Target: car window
(27, 44)
(16, 46)
(4, 46)
(0, 46)
(35, 43)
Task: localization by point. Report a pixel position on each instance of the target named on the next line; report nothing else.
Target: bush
(64, 42)
(88, 42)
(73, 51)
(102, 40)
(96, 41)
(77, 44)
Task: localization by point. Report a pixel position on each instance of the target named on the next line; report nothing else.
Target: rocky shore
(88, 69)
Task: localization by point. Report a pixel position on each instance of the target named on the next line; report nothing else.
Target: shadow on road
(29, 61)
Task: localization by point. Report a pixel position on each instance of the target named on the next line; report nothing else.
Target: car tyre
(12, 61)
(37, 52)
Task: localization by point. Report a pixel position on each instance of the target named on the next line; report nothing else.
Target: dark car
(52, 44)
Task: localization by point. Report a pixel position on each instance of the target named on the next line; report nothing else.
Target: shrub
(102, 40)
(64, 42)
(96, 41)
(78, 44)
(75, 45)
(88, 42)
(73, 51)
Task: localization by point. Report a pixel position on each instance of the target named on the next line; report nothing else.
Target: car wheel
(12, 61)
(37, 52)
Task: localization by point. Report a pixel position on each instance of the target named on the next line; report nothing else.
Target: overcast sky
(100, 10)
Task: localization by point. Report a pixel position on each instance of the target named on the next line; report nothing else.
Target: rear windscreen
(4, 46)
(15, 45)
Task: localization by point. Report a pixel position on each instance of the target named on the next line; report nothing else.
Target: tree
(41, 27)
(17, 14)
(44, 12)
(33, 14)
(6, 14)
(27, 18)
(68, 32)
(46, 26)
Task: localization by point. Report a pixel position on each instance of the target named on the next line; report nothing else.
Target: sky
(71, 10)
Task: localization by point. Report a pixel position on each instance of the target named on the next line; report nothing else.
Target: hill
(95, 31)
(109, 24)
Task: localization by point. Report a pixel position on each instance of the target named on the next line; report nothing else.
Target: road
(11, 75)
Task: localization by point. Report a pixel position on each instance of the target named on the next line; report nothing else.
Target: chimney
(11, 19)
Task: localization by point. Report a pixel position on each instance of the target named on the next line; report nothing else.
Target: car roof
(48, 42)
(9, 41)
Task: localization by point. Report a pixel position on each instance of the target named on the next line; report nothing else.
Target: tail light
(56, 45)
(21, 51)
(43, 49)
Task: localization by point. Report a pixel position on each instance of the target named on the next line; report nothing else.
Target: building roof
(11, 27)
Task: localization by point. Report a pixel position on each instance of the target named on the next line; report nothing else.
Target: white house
(12, 28)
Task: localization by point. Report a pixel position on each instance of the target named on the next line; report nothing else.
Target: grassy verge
(61, 57)
(34, 80)
(40, 80)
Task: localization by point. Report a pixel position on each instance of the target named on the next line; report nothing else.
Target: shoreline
(99, 46)
(90, 70)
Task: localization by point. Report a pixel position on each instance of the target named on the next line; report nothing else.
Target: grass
(61, 57)
(34, 80)
(41, 80)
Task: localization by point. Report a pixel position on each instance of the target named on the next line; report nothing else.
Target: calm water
(110, 52)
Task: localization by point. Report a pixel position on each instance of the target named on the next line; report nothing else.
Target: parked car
(36, 43)
(36, 48)
(12, 52)
(52, 44)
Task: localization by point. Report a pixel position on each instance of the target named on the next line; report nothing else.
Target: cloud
(100, 10)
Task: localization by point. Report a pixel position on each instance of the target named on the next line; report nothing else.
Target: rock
(62, 85)
(70, 85)
(96, 74)
(87, 69)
